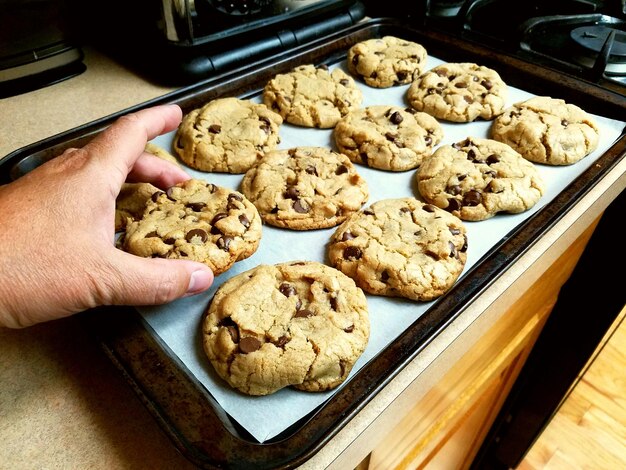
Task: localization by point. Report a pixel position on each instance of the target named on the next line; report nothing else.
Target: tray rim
(291, 450)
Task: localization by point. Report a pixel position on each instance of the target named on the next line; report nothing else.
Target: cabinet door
(447, 427)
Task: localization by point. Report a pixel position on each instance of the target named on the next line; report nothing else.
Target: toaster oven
(178, 42)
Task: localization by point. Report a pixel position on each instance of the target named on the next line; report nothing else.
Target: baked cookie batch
(303, 324)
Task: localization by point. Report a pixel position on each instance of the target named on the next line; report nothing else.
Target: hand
(57, 252)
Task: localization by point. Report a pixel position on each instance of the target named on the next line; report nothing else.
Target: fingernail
(200, 281)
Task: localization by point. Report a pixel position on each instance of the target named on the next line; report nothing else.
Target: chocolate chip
(223, 243)
(333, 303)
(341, 169)
(235, 197)
(468, 99)
(169, 241)
(311, 170)
(196, 232)
(287, 289)
(564, 123)
(249, 344)
(384, 276)
(280, 342)
(428, 140)
(402, 76)
(460, 85)
(244, 220)
(156, 195)
(404, 210)
(455, 189)
(304, 313)
(196, 206)
(347, 236)
(215, 128)
(152, 234)
(170, 193)
(368, 212)
(291, 193)
(396, 118)
(301, 207)
(452, 249)
(322, 67)
(374, 74)
(411, 110)
(454, 231)
(355, 59)
(487, 84)
(352, 252)
(349, 329)
(429, 208)
(464, 247)
(219, 216)
(344, 81)
(472, 198)
(453, 205)
(493, 158)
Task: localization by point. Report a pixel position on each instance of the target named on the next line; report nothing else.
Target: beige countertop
(64, 405)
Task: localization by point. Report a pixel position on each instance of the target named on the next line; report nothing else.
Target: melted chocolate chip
(347, 236)
(215, 128)
(280, 342)
(455, 189)
(493, 158)
(396, 118)
(244, 220)
(453, 205)
(219, 216)
(352, 252)
(249, 344)
(223, 243)
(429, 208)
(487, 84)
(349, 329)
(287, 289)
(169, 241)
(300, 207)
(472, 198)
(196, 232)
(156, 195)
(304, 313)
(291, 193)
(152, 234)
(341, 169)
(196, 206)
(170, 193)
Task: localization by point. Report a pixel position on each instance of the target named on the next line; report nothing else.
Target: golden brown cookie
(198, 221)
(131, 202)
(401, 248)
(547, 130)
(386, 61)
(476, 178)
(459, 92)
(305, 188)
(312, 96)
(227, 135)
(387, 137)
(300, 324)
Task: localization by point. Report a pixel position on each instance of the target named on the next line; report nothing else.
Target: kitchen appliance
(37, 47)
(179, 42)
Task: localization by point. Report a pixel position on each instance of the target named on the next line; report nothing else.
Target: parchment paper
(178, 323)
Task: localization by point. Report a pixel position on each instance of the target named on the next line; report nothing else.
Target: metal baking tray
(185, 409)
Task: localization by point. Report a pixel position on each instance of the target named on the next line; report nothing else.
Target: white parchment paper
(178, 323)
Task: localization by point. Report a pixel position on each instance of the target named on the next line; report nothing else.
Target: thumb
(155, 281)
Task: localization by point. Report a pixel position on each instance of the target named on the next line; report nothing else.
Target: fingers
(151, 169)
(124, 141)
(152, 281)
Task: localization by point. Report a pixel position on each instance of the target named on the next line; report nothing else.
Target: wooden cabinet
(447, 426)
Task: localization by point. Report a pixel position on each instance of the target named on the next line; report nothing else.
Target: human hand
(57, 251)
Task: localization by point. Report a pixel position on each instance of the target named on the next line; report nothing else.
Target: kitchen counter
(64, 405)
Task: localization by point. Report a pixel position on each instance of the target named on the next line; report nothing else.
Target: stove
(584, 38)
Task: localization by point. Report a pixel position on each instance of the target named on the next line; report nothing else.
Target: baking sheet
(178, 324)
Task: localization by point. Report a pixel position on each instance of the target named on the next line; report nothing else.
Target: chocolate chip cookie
(547, 130)
(305, 188)
(476, 178)
(310, 96)
(198, 221)
(300, 324)
(386, 61)
(459, 92)
(387, 137)
(401, 248)
(227, 135)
